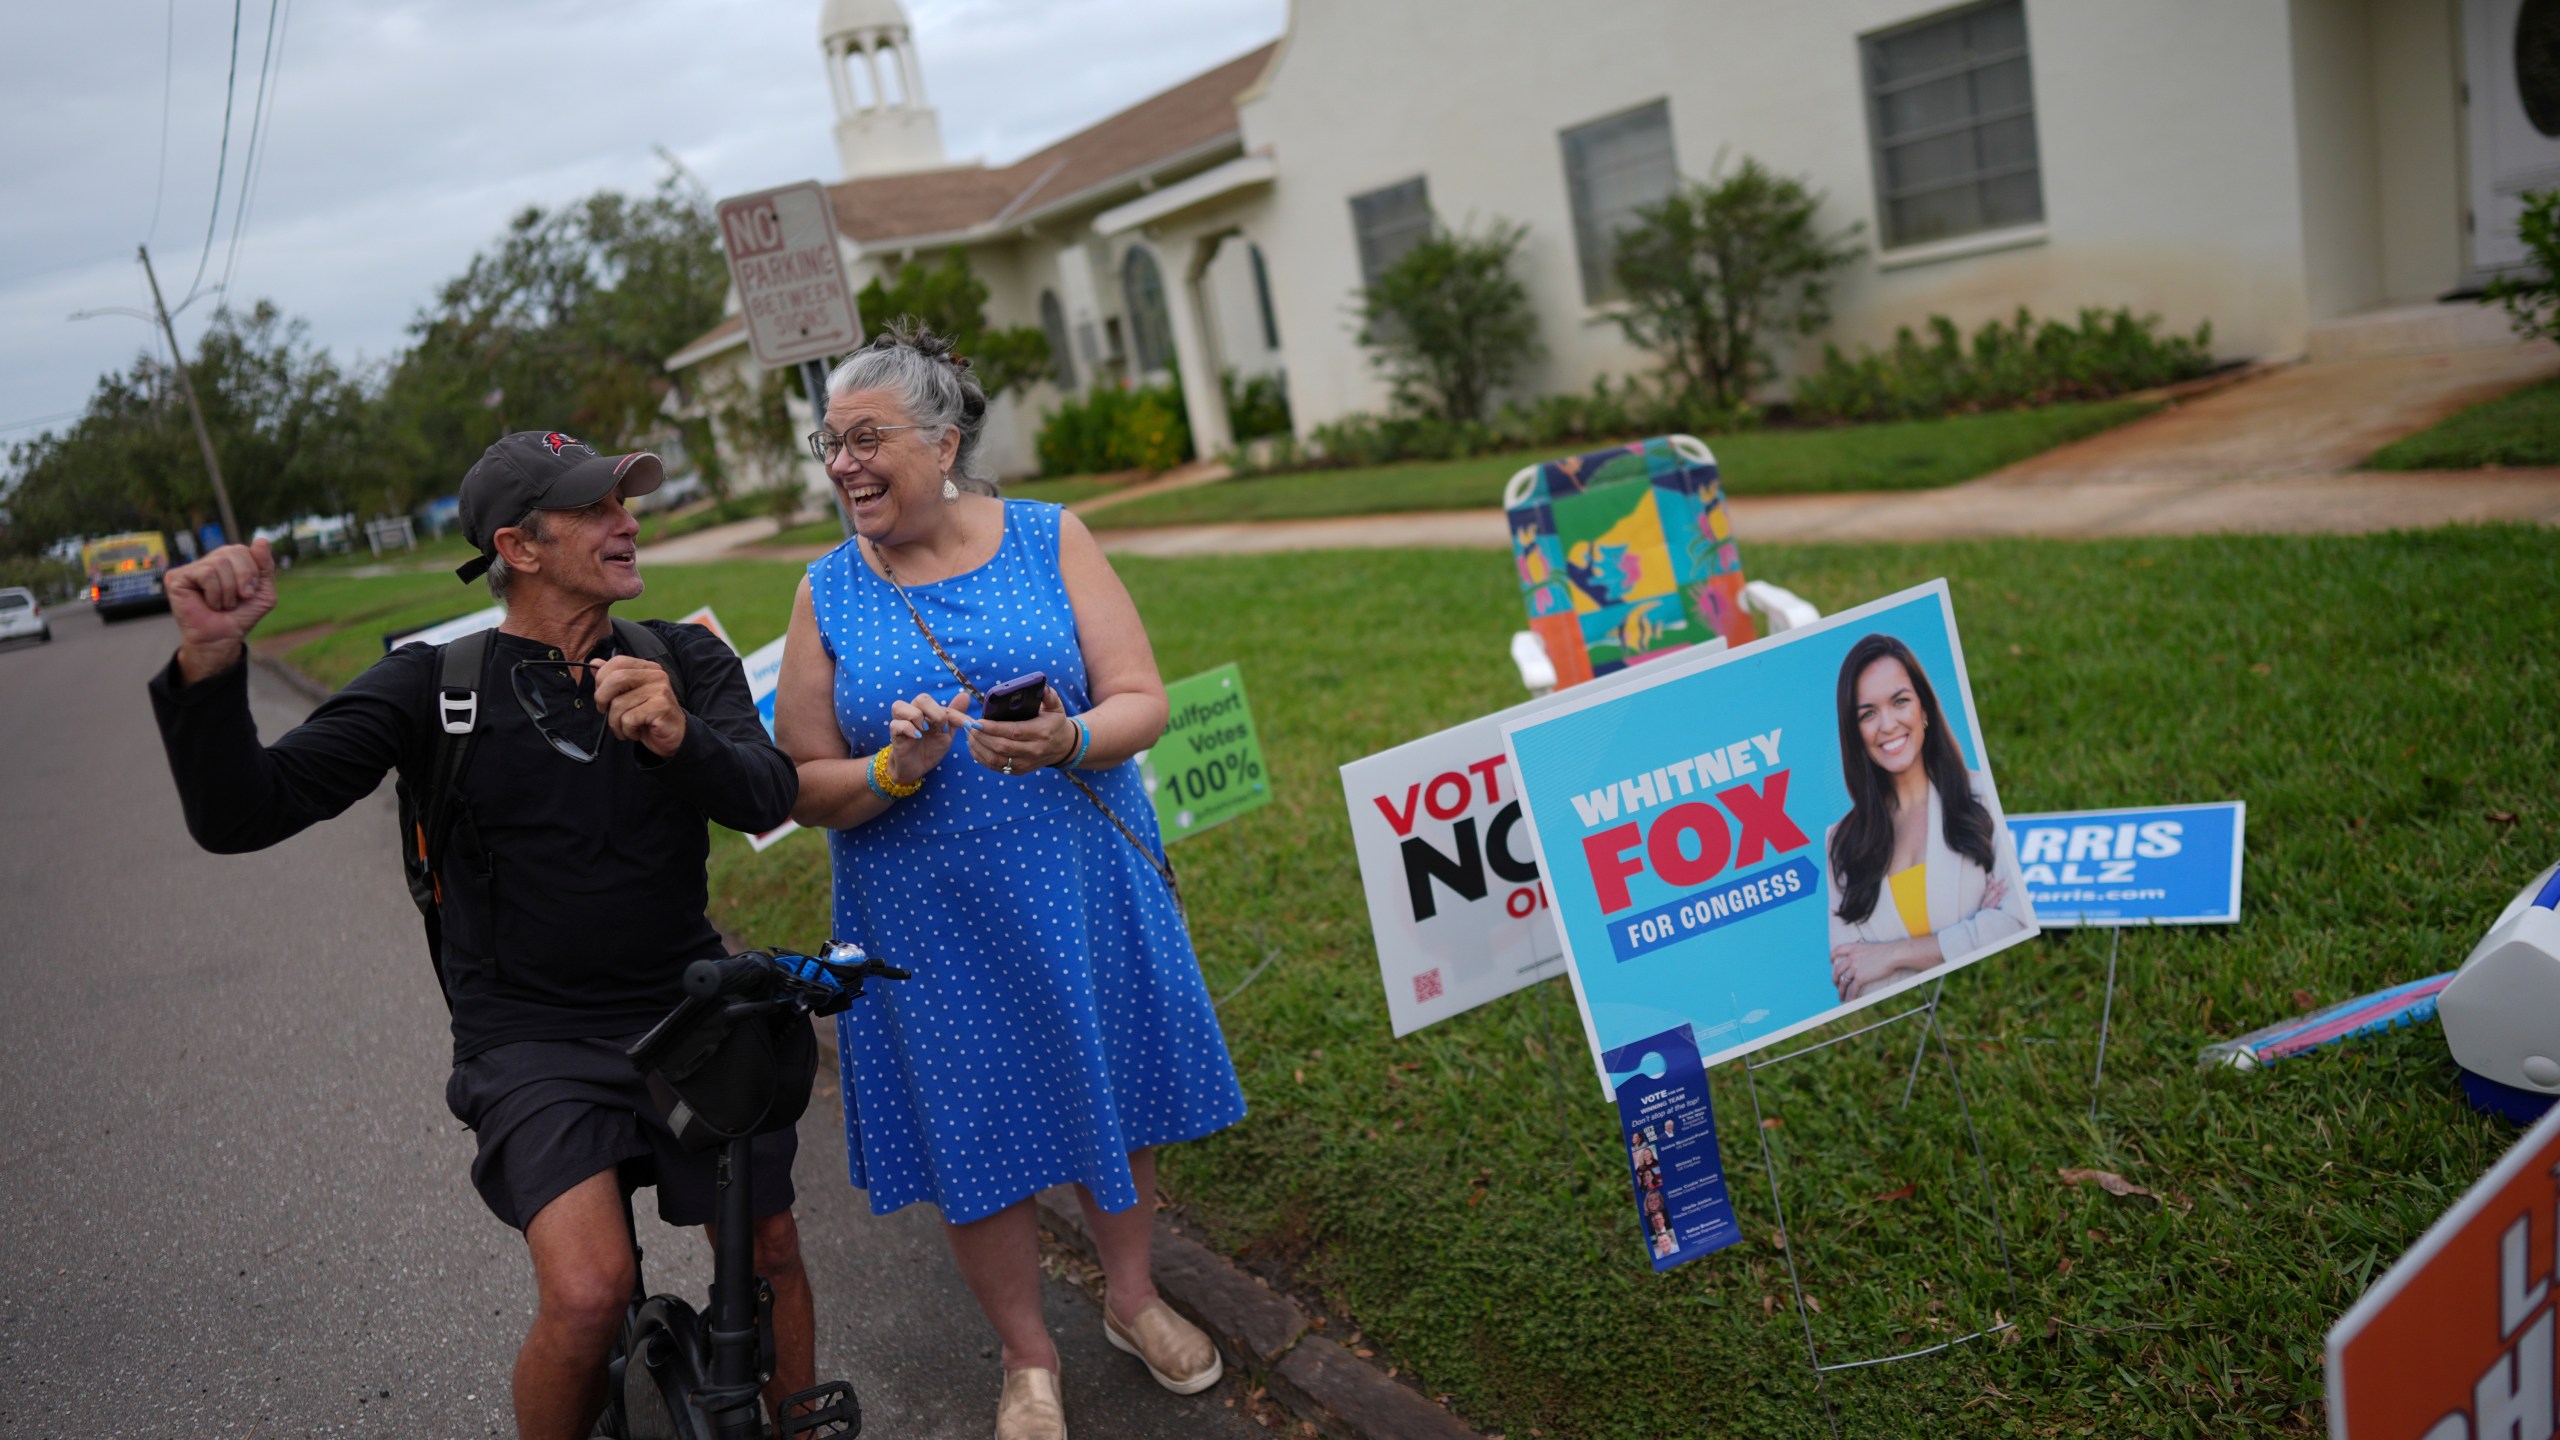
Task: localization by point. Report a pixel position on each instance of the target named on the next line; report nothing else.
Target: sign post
(792, 290)
(2154, 865)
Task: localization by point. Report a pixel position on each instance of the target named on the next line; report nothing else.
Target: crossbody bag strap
(1163, 866)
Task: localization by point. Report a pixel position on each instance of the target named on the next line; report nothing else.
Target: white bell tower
(883, 125)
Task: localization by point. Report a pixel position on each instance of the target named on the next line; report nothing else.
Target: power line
(230, 86)
(260, 110)
(168, 69)
(34, 420)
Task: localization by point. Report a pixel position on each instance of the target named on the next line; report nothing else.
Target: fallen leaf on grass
(2303, 1000)
(1772, 1123)
(1768, 1305)
(1364, 1353)
(1812, 1304)
(2502, 817)
(1904, 1193)
(2107, 1180)
(2064, 1268)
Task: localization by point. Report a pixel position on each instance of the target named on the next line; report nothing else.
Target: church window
(1053, 323)
(1389, 222)
(1262, 298)
(1951, 112)
(1150, 324)
(1612, 167)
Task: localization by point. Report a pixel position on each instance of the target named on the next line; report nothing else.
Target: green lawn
(2377, 701)
(1066, 489)
(1900, 455)
(827, 530)
(2520, 428)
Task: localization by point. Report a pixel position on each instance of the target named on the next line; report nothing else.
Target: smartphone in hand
(1017, 698)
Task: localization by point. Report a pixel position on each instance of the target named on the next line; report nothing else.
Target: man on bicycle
(572, 894)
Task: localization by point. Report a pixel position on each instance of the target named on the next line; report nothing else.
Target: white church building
(2308, 175)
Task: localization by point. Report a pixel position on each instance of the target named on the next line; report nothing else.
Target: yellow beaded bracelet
(884, 783)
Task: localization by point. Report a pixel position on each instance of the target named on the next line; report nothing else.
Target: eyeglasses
(544, 704)
(862, 440)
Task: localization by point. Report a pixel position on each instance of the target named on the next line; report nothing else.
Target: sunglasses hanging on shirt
(561, 706)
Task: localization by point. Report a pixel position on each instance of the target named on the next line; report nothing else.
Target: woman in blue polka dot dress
(1056, 1028)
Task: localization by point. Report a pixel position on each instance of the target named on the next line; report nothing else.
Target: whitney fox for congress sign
(1757, 841)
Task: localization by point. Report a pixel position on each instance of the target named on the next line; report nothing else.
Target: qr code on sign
(1426, 986)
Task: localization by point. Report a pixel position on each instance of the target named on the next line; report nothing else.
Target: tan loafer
(1178, 1353)
(1031, 1408)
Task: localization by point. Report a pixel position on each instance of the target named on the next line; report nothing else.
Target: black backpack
(428, 821)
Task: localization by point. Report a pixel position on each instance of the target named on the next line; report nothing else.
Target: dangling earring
(950, 491)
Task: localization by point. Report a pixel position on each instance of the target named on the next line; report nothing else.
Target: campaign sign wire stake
(2148, 865)
(1927, 1012)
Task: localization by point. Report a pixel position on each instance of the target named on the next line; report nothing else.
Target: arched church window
(1150, 323)
(1053, 323)
(1262, 298)
(2538, 63)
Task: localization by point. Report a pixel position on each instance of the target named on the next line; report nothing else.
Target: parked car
(21, 615)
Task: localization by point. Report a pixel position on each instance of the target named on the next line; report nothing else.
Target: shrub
(2020, 362)
(1610, 411)
(1721, 268)
(1449, 323)
(2533, 299)
(1256, 407)
(949, 298)
(53, 581)
(1113, 429)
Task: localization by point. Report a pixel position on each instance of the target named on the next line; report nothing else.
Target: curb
(292, 679)
(1266, 1334)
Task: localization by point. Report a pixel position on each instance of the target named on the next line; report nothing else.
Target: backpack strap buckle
(459, 710)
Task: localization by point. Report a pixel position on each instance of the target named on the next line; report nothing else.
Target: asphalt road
(232, 1203)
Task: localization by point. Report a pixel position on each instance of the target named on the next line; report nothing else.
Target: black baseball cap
(542, 470)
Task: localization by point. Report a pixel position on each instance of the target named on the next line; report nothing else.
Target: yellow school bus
(125, 572)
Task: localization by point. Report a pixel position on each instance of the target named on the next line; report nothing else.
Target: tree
(566, 323)
(951, 300)
(1449, 323)
(1720, 269)
(292, 429)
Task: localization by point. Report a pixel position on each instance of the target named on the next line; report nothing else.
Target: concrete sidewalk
(2271, 455)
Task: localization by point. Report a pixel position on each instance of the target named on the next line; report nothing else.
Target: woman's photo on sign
(1923, 872)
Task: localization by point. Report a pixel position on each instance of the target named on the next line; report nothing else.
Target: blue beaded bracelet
(871, 778)
(1082, 745)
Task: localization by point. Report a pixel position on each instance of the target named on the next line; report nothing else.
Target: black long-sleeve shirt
(576, 910)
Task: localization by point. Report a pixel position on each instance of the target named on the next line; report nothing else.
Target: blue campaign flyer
(1759, 840)
(2152, 865)
(1668, 1122)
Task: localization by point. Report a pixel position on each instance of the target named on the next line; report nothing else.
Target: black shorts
(551, 1113)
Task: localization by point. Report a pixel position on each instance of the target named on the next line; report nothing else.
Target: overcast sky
(404, 133)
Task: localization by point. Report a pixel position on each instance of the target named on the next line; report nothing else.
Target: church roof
(1191, 115)
(838, 17)
(948, 203)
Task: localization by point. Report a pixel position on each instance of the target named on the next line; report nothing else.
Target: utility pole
(204, 438)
